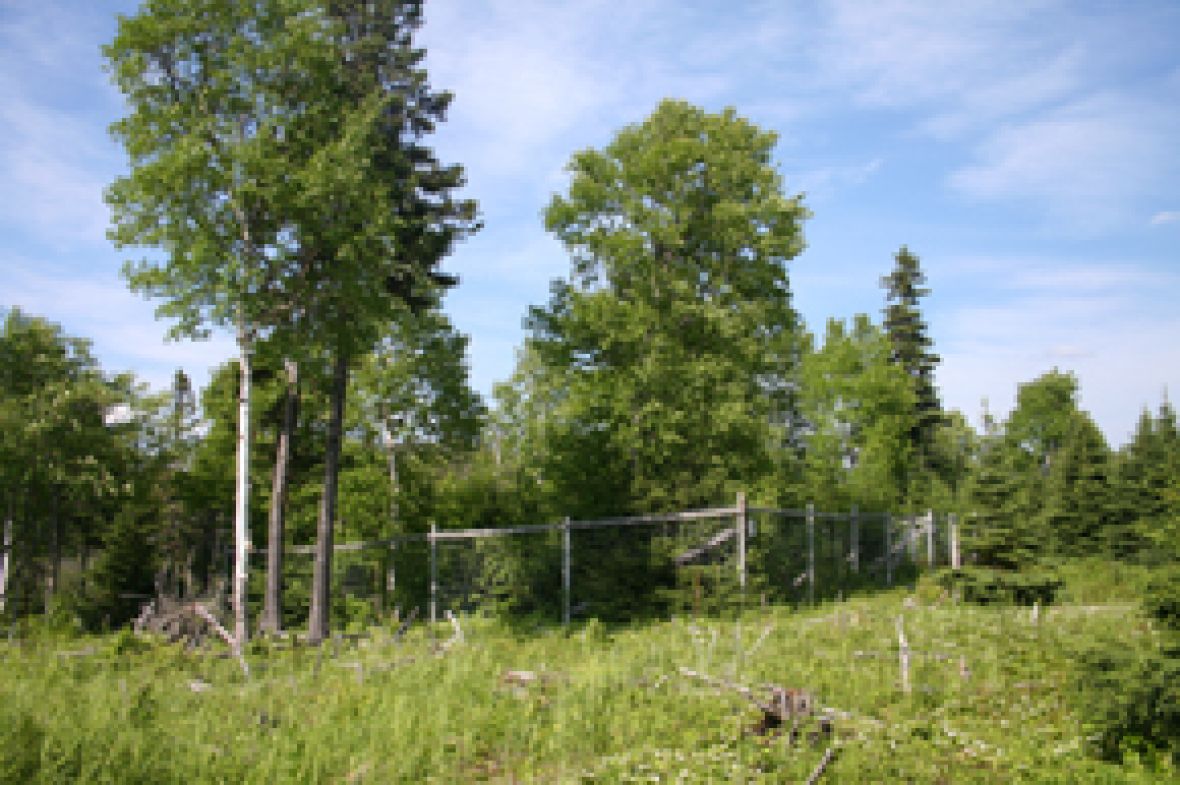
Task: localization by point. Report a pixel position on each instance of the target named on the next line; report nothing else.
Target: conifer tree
(1077, 498)
(999, 532)
(377, 214)
(911, 349)
(1148, 483)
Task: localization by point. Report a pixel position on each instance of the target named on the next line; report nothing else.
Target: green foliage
(21, 740)
(66, 466)
(1147, 486)
(1077, 507)
(212, 134)
(123, 576)
(1044, 483)
(1044, 416)
(666, 361)
(1162, 598)
(859, 408)
(604, 706)
(1132, 699)
(985, 586)
(910, 346)
(999, 533)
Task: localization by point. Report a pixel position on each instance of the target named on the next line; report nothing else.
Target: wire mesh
(617, 570)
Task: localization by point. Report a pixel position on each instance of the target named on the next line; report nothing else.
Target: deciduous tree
(212, 133)
(671, 350)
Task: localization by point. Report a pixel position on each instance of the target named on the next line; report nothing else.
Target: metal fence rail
(675, 562)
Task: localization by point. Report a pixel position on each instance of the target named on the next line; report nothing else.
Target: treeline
(278, 159)
(669, 371)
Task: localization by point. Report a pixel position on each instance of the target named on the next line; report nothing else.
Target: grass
(608, 705)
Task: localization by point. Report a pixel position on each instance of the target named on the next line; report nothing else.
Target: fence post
(888, 549)
(854, 535)
(930, 538)
(952, 522)
(565, 571)
(810, 553)
(740, 523)
(391, 576)
(433, 573)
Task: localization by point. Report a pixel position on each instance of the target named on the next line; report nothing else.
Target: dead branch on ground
(818, 771)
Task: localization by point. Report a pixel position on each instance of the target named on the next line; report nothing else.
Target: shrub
(986, 586)
(1162, 599)
(1133, 702)
(21, 741)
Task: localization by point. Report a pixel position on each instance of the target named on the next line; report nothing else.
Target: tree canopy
(672, 348)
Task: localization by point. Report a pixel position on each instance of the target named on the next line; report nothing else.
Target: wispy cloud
(121, 325)
(55, 163)
(1032, 87)
(824, 182)
(1075, 277)
(1088, 164)
(54, 175)
(911, 52)
(1109, 322)
(1165, 217)
(1005, 95)
(518, 85)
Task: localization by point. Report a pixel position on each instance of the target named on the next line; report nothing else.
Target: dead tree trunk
(6, 557)
(272, 613)
(242, 506)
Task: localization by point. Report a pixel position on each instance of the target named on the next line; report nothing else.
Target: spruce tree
(911, 344)
(999, 532)
(1148, 487)
(1078, 502)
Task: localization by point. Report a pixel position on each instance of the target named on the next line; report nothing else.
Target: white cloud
(1110, 323)
(527, 75)
(1088, 164)
(823, 182)
(1165, 217)
(910, 52)
(54, 175)
(120, 325)
(1076, 277)
(56, 159)
(1006, 95)
(1039, 89)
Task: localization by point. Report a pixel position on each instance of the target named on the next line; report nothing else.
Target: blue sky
(1026, 151)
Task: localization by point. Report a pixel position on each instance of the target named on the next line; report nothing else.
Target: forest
(281, 174)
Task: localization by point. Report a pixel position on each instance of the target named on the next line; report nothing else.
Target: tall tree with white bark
(212, 135)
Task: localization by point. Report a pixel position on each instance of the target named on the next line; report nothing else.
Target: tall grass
(992, 701)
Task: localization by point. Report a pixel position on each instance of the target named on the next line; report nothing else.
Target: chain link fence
(622, 569)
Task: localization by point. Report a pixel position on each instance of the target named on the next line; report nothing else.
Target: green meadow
(996, 694)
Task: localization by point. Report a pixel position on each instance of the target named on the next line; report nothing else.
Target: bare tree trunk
(321, 599)
(242, 507)
(6, 558)
(388, 577)
(55, 536)
(272, 613)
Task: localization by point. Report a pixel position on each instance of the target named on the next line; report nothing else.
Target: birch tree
(210, 140)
